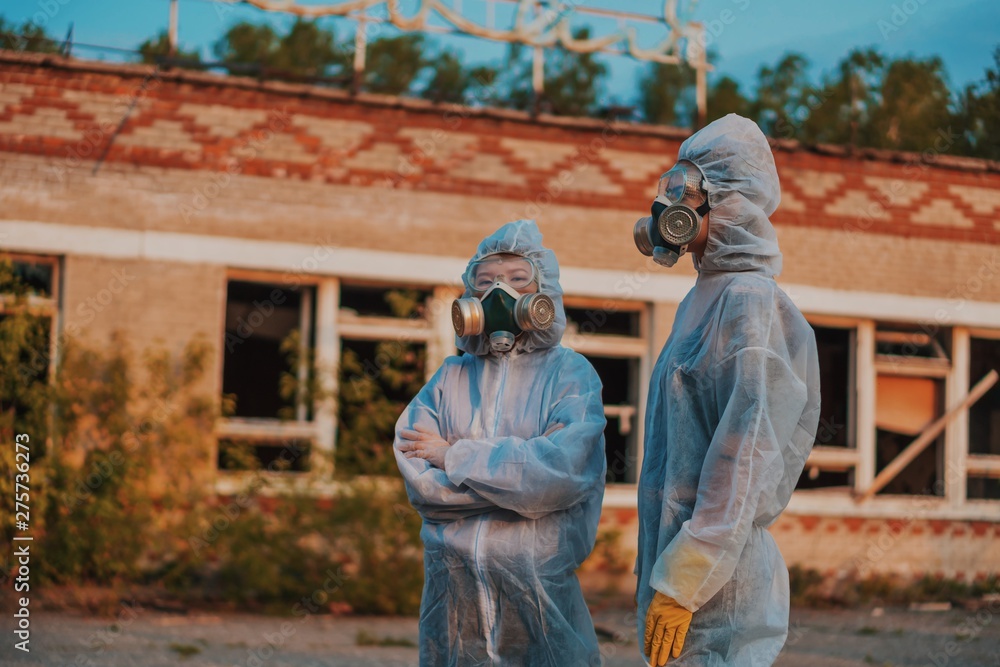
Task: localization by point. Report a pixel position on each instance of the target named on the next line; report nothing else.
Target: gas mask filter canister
(673, 223)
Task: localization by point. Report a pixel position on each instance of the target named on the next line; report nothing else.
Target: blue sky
(753, 32)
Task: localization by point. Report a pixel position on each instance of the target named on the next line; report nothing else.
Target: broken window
(620, 377)
(835, 347)
(602, 321)
(276, 455)
(261, 320)
(266, 358)
(984, 415)
(983, 488)
(984, 422)
(610, 334)
(911, 365)
(377, 381)
(28, 313)
(384, 333)
(365, 300)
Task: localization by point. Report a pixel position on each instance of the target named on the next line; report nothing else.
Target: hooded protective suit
(516, 512)
(731, 417)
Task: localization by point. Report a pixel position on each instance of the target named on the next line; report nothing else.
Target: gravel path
(147, 638)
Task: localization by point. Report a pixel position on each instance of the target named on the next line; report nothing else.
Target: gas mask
(502, 313)
(676, 215)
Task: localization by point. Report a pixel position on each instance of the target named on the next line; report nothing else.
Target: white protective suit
(731, 417)
(516, 512)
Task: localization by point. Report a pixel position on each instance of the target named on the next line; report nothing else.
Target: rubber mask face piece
(676, 215)
(498, 309)
(502, 313)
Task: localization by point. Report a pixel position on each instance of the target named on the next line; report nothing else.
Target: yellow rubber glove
(667, 624)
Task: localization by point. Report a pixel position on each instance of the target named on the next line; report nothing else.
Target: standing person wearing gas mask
(731, 415)
(503, 456)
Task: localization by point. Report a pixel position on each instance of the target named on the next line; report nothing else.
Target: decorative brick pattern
(446, 149)
(865, 547)
(222, 121)
(11, 94)
(897, 191)
(540, 155)
(643, 169)
(816, 184)
(202, 122)
(587, 178)
(981, 200)
(486, 168)
(44, 122)
(164, 134)
(855, 202)
(941, 213)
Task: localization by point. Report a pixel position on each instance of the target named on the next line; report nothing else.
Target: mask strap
(704, 208)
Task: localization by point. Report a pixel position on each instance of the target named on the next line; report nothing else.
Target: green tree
(783, 92)
(306, 50)
(915, 105)
(841, 110)
(571, 84)
(28, 37)
(451, 81)
(153, 50)
(247, 43)
(392, 64)
(376, 382)
(724, 97)
(978, 115)
(666, 94)
(573, 80)
(988, 118)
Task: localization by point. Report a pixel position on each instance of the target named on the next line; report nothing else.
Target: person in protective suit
(731, 415)
(502, 453)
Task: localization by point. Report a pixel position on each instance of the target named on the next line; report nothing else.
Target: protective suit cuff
(690, 605)
(454, 459)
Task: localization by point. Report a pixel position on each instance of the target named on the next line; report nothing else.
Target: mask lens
(672, 184)
(517, 272)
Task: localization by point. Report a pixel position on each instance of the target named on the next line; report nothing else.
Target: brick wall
(214, 155)
(202, 154)
(908, 546)
(156, 304)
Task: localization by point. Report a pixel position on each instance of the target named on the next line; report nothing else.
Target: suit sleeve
(760, 401)
(432, 494)
(544, 474)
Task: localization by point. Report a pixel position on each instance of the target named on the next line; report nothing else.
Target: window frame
(620, 347)
(958, 463)
(45, 306)
(268, 428)
(976, 465)
(840, 459)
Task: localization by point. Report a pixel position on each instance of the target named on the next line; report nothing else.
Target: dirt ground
(146, 638)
